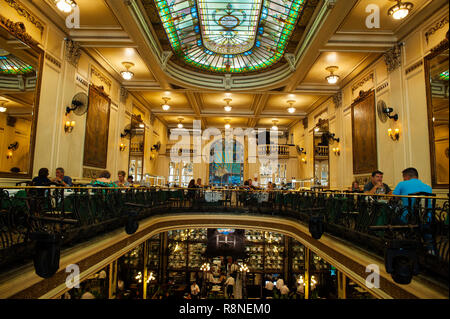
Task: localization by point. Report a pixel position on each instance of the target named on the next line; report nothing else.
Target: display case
(297, 256)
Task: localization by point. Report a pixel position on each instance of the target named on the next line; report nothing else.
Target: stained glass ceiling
(229, 36)
(9, 64)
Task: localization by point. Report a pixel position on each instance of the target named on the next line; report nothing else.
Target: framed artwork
(97, 128)
(364, 133)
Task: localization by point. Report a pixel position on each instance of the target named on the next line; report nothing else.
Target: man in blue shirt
(410, 185)
(61, 178)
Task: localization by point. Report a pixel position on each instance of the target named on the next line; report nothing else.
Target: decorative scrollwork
(19, 31)
(25, 13)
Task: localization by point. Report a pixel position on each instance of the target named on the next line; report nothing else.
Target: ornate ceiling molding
(439, 25)
(100, 76)
(73, 51)
(361, 82)
(22, 11)
(18, 30)
(393, 57)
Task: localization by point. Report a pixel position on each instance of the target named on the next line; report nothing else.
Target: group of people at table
(63, 180)
(411, 183)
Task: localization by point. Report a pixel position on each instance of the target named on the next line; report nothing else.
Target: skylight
(229, 36)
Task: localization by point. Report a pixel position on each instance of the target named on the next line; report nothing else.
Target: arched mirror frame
(318, 155)
(17, 30)
(435, 52)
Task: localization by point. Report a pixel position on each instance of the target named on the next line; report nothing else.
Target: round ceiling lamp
(65, 5)
(332, 78)
(227, 124)
(291, 109)
(127, 75)
(400, 10)
(180, 124)
(274, 127)
(166, 106)
(227, 107)
(3, 109)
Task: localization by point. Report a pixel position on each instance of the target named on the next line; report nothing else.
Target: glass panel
(18, 93)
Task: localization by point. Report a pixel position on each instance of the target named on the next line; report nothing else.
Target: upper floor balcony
(406, 236)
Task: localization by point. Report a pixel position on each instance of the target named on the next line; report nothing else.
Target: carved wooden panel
(97, 129)
(364, 134)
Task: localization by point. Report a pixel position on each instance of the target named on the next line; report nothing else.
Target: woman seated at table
(355, 187)
(42, 178)
(191, 189)
(121, 182)
(104, 180)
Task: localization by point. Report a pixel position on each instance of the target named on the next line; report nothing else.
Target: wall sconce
(68, 126)
(331, 136)
(388, 111)
(122, 147)
(336, 151)
(394, 135)
(12, 147)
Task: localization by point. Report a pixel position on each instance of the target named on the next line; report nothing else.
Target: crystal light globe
(127, 75)
(64, 5)
(332, 79)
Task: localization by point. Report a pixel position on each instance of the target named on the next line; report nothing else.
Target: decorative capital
(305, 123)
(152, 119)
(166, 55)
(290, 58)
(337, 99)
(123, 94)
(73, 51)
(393, 57)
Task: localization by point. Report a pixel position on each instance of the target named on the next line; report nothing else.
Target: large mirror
(437, 77)
(20, 75)
(137, 139)
(321, 153)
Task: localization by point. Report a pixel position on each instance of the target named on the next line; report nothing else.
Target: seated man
(410, 185)
(61, 178)
(376, 185)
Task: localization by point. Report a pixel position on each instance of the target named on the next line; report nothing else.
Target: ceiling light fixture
(66, 5)
(227, 124)
(166, 106)
(227, 107)
(274, 127)
(332, 78)
(127, 75)
(3, 109)
(400, 10)
(180, 125)
(291, 109)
